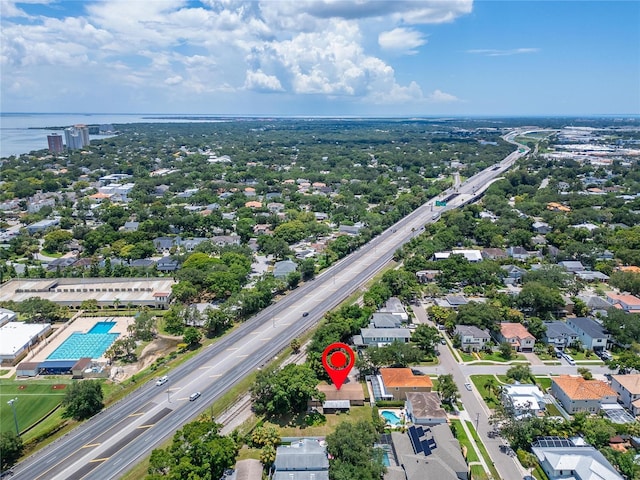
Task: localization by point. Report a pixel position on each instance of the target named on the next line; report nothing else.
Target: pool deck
(83, 325)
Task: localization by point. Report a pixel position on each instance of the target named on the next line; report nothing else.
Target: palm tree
(492, 387)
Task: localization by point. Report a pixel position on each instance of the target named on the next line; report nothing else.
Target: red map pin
(338, 360)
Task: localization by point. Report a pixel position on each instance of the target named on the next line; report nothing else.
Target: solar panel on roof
(425, 447)
(415, 440)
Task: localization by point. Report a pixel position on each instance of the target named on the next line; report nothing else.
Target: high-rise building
(55, 143)
(77, 136)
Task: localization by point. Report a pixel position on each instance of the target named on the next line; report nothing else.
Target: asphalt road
(508, 467)
(110, 443)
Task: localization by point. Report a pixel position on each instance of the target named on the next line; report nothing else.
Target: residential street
(475, 409)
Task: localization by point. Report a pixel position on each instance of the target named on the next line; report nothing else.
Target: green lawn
(483, 451)
(35, 400)
(295, 427)
(479, 381)
(496, 357)
(466, 357)
(543, 382)
(552, 410)
(465, 442)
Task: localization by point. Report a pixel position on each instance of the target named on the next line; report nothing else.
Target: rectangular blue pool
(102, 327)
(91, 344)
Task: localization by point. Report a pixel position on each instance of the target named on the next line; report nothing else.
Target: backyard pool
(91, 344)
(390, 417)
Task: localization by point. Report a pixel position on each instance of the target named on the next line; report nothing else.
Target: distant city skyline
(321, 57)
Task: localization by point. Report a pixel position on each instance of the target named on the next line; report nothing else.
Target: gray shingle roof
(589, 326)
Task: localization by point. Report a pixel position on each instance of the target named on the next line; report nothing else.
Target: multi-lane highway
(116, 439)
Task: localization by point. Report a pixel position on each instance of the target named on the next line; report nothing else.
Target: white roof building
(16, 337)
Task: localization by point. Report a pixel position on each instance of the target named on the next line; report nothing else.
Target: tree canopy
(83, 399)
(279, 392)
(197, 451)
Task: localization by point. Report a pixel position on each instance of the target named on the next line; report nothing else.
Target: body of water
(24, 132)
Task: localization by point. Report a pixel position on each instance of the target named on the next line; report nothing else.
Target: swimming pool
(390, 417)
(102, 327)
(91, 344)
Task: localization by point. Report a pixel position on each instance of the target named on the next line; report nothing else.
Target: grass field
(35, 400)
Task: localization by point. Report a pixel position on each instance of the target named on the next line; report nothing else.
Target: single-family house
(572, 266)
(592, 334)
(424, 408)
(431, 449)
(541, 227)
(472, 338)
(582, 462)
(451, 301)
(42, 225)
(591, 276)
(351, 229)
(427, 276)
(523, 400)
(247, 469)
(559, 334)
(400, 381)
(167, 264)
(628, 303)
(394, 306)
(596, 304)
(628, 389)
(518, 253)
(517, 335)
(579, 395)
(385, 320)
(381, 336)
(494, 254)
(472, 256)
(165, 243)
(130, 226)
(303, 459)
(284, 268)
(513, 273)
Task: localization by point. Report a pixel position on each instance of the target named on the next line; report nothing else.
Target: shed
(78, 369)
(335, 406)
(27, 369)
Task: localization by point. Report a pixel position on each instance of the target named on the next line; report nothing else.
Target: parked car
(194, 396)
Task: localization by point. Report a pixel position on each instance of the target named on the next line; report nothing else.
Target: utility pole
(15, 417)
(168, 395)
(477, 420)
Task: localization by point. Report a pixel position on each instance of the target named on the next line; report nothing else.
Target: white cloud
(292, 47)
(262, 82)
(401, 40)
(438, 96)
(175, 80)
(489, 52)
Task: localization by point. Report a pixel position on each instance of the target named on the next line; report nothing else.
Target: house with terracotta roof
(629, 268)
(628, 303)
(628, 390)
(579, 395)
(399, 381)
(517, 335)
(253, 204)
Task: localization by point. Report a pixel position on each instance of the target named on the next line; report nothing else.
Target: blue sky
(321, 57)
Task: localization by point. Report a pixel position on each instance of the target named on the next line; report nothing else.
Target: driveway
(533, 359)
